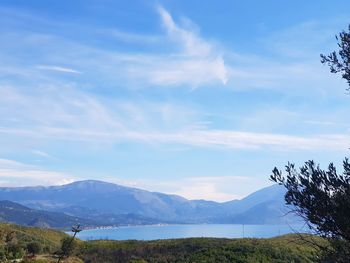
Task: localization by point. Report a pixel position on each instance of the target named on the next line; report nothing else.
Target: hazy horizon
(110, 182)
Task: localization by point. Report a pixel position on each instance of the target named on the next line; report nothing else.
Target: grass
(288, 248)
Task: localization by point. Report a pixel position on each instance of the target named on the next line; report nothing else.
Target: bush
(34, 248)
(68, 246)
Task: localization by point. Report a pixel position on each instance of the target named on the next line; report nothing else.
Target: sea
(155, 232)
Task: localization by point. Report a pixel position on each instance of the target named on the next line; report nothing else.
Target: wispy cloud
(58, 69)
(190, 43)
(327, 123)
(76, 116)
(200, 60)
(194, 61)
(178, 57)
(106, 128)
(130, 37)
(14, 173)
(42, 154)
(182, 57)
(118, 98)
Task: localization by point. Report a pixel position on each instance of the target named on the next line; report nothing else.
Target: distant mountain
(108, 219)
(108, 203)
(15, 213)
(265, 206)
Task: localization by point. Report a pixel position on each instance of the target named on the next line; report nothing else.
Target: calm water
(182, 231)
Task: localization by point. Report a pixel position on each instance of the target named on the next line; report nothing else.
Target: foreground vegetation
(281, 249)
(16, 240)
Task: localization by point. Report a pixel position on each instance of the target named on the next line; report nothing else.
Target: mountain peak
(93, 185)
(90, 182)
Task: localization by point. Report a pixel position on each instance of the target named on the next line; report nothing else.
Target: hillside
(289, 248)
(12, 212)
(18, 237)
(14, 240)
(111, 204)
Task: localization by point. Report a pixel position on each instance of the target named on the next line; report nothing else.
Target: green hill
(14, 240)
(48, 237)
(12, 212)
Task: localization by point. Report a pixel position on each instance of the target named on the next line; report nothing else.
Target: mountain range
(100, 203)
(16, 213)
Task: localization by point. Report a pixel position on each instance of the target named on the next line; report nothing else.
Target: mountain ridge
(103, 200)
(12, 212)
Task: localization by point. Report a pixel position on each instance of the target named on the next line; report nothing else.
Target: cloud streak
(196, 62)
(182, 57)
(201, 63)
(14, 173)
(58, 69)
(60, 113)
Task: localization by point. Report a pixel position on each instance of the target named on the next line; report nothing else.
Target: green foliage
(34, 248)
(339, 61)
(68, 246)
(33, 260)
(289, 248)
(15, 240)
(282, 249)
(321, 197)
(339, 252)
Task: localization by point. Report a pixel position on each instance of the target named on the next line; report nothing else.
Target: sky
(196, 98)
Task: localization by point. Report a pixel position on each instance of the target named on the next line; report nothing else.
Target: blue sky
(197, 98)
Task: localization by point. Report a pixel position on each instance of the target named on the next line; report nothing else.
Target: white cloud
(182, 57)
(327, 123)
(228, 139)
(133, 37)
(42, 154)
(250, 140)
(219, 188)
(172, 71)
(13, 173)
(190, 43)
(58, 69)
(190, 60)
(60, 113)
(56, 110)
(199, 61)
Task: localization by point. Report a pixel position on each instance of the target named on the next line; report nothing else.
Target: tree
(322, 197)
(34, 248)
(68, 244)
(339, 61)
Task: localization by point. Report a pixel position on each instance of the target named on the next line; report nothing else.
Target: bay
(154, 232)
